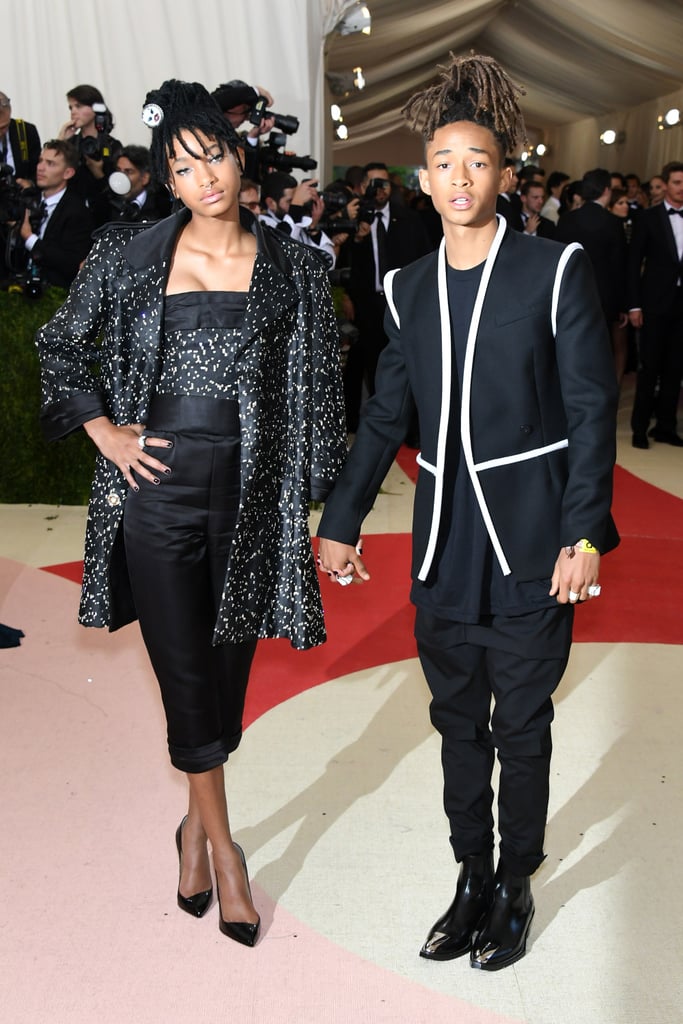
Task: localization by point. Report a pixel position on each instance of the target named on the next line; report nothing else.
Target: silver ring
(594, 590)
(573, 596)
(142, 441)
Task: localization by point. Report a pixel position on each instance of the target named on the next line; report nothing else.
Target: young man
(61, 240)
(500, 341)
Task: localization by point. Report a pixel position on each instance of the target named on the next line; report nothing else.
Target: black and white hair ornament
(152, 115)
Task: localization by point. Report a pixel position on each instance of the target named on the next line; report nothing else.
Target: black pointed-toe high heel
(198, 904)
(241, 931)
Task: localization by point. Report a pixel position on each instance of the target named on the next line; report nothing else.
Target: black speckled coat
(100, 355)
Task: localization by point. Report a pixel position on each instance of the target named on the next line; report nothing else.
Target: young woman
(218, 414)
(98, 149)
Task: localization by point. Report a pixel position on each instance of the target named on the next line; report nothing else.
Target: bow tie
(671, 211)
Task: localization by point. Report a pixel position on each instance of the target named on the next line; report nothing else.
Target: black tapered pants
(492, 687)
(177, 536)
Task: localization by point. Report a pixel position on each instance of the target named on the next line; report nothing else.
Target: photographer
(135, 199)
(19, 144)
(89, 128)
(387, 237)
(285, 204)
(57, 235)
(237, 100)
(340, 222)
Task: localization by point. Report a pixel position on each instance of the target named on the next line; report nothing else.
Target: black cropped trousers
(177, 536)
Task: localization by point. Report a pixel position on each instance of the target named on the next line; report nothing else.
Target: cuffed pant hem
(202, 759)
(521, 866)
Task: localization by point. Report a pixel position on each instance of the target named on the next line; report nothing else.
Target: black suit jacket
(602, 236)
(25, 165)
(538, 407)
(654, 266)
(510, 207)
(67, 241)
(407, 241)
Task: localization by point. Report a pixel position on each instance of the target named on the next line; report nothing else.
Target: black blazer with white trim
(537, 413)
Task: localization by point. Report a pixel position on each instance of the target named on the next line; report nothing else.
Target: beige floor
(337, 800)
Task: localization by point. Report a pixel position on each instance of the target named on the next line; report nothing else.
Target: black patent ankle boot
(501, 940)
(452, 934)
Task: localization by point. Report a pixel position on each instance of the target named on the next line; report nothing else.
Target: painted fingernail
(156, 480)
(169, 444)
(167, 471)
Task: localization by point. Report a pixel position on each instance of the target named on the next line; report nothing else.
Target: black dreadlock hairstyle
(471, 88)
(186, 106)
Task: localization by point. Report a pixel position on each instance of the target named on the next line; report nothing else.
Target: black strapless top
(201, 333)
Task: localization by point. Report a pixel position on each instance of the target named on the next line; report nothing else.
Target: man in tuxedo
(602, 236)
(59, 239)
(19, 144)
(387, 237)
(655, 282)
(500, 342)
(509, 202)
(533, 196)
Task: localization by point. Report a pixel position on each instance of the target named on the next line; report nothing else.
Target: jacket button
(113, 499)
(526, 428)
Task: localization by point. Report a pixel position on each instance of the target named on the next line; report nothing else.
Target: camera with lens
(368, 203)
(286, 123)
(334, 200)
(272, 159)
(15, 200)
(97, 147)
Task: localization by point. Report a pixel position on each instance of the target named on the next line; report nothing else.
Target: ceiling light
(672, 117)
(541, 149)
(356, 19)
(359, 78)
(335, 112)
(342, 131)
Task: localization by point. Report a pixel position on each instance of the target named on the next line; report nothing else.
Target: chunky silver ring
(594, 590)
(573, 596)
(142, 441)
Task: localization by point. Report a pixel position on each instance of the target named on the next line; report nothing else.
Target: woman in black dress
(201, 357)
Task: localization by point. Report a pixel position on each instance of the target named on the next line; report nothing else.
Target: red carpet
(372, 624)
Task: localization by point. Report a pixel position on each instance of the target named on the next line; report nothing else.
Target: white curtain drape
(127, 47)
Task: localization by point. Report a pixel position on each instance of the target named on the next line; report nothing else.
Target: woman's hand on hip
(127, 447)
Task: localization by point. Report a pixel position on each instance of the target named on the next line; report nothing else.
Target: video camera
(97, 147)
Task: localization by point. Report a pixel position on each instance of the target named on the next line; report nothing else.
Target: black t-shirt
(466, 583)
